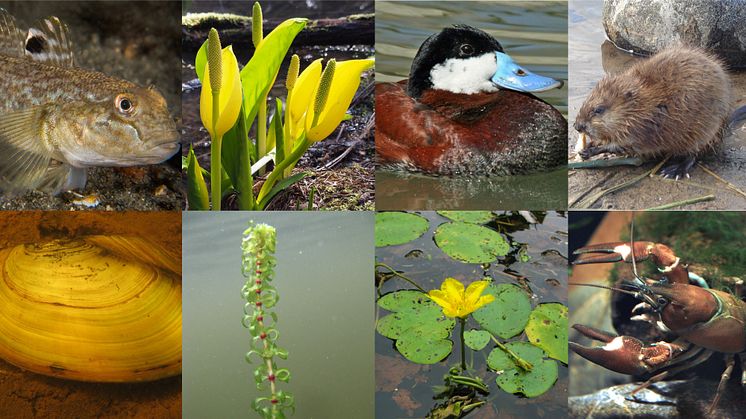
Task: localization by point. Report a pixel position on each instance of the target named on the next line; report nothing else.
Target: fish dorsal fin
(24, 157)
(11, 39)
(49, 42)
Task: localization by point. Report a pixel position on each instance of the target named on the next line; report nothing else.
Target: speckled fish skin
(56, 119)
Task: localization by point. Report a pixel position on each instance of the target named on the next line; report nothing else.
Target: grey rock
(647, 26)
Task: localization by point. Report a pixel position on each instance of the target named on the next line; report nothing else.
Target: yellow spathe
(230, 96)
(456, 301)
(344, 85)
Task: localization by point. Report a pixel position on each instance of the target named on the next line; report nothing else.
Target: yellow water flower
(344, 84)
(229, 97)
(456, 301)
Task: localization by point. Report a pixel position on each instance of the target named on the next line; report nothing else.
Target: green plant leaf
(200, 61)
(418, 325)
(279, 186)
(394, 228)
(196, 187)
(276, 133)
(470, 243)
(260, 72)
(476, 339)
(513, 380)
(474, 217)
(508, 314)
(547, 329)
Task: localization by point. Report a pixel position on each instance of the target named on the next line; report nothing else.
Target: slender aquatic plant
(258, 264)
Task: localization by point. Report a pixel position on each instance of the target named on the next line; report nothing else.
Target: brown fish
(56, 119)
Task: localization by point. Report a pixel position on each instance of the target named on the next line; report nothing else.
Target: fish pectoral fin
(61, 177)
(11, 39)
(49, 42)
(24, 157)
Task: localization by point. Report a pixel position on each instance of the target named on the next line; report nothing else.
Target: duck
(467, 109)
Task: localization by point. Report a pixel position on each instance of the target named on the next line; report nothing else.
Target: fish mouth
(510, 75)
(160, 153)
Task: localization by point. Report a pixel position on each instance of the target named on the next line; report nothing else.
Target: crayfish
(701, 320)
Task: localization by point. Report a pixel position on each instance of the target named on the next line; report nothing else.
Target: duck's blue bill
(510, 75)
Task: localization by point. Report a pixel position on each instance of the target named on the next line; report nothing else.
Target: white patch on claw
(616, 344)
(623, 250)
(466, 75)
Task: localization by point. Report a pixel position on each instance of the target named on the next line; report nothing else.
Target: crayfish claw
(624, 354)
(613, 252)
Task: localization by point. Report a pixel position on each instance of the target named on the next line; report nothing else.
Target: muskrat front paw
(679, 168)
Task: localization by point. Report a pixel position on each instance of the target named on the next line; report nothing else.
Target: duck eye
(467, 49)
(124, 104)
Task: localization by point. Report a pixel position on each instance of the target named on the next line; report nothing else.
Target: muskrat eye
(599, 110)
(124, 104)
(661, 301)
(467, 49)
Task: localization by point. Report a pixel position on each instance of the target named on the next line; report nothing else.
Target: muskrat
(675, 104)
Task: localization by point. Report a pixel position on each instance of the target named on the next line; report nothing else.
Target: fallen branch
(236, 30)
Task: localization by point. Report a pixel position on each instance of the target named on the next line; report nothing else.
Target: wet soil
(341, 169)
(590, 58)
(137, 41)
(25, 394)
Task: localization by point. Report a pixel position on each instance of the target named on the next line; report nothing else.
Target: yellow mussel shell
(93, 309)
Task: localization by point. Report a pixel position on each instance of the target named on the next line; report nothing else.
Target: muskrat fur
(675, 104)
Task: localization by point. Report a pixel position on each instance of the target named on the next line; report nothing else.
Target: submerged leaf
(394, 228)
(470, 243)
(508, 314)
(476, 339)
(547, 329)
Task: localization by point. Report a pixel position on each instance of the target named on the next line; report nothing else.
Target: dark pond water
(545, 275)
(533, 33)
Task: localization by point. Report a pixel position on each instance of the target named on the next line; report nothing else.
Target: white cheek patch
(466, 75)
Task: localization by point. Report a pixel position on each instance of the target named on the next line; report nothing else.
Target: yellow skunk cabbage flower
(459, 303)
(344, 84)
(303, 90)
(229, 97)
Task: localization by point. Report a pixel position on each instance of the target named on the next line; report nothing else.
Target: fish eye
(467, 49)
(124, 104)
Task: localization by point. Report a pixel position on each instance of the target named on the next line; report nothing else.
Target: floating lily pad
(508, 314)
(418, 325)
(474, 217)
(547, 329)
(470, 243)
(393, 228)
(513, 380)
(476, 339)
